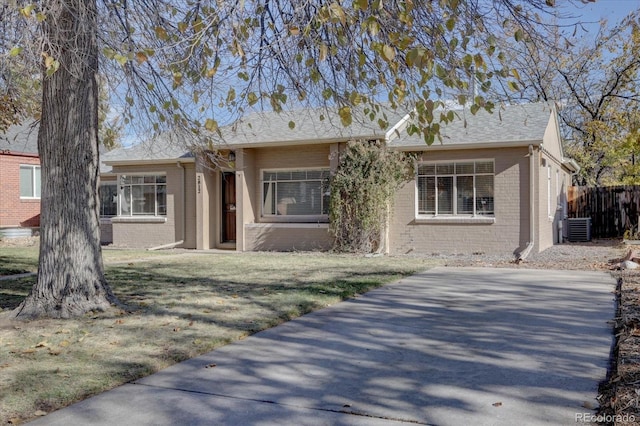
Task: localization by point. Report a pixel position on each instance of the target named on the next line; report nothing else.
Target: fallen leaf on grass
(54, 352)
(40, 413)
(42, 345)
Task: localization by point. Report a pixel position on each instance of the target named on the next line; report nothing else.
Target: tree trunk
(70, 278)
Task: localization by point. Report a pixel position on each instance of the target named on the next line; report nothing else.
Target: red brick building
(19, 177)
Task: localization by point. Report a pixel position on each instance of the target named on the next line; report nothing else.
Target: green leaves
(346, 117)
(519, 35)
(362, 189)
(211, 125)
(15, 51)
(252, 98)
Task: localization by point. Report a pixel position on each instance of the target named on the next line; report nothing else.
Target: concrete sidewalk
(449, 346)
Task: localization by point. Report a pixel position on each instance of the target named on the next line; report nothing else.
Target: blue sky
(613, 10)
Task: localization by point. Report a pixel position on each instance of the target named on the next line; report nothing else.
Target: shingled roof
(167, 146)
(311, 125)
(20, 139)
(507, 125)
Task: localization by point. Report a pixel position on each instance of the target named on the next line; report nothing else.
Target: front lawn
(178, 306)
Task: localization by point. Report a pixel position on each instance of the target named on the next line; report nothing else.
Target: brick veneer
(15, 211)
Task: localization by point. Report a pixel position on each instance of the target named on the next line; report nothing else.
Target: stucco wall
(14, 211)
(509, 232)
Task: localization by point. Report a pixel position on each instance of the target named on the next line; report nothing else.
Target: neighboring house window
(108, 199)
(29, 181)
(295, 192)
(143, 195)
(456, 188)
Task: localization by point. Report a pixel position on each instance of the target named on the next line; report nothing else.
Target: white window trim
(289, 218)
(33, 168)
(454, 218)
(143, 217)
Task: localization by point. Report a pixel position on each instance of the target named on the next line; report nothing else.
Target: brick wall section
(288, 237)
(15, 212)
(302, 156)
(255, 232)
(284, 237)
(131, 232)
(507, 235)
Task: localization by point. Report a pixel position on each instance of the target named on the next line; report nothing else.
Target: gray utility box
(579, 229)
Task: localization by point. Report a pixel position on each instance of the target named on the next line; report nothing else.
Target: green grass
(18, 260)
(177, 307)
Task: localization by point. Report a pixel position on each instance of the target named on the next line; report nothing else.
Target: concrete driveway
(450, 346)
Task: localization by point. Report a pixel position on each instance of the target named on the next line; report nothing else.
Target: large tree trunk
(70, 278)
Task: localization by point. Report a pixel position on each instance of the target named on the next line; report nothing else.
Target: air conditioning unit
(579, 229)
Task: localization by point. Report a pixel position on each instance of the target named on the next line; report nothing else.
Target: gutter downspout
(184, 215)
(532, 234)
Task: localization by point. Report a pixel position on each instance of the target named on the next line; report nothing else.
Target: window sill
(287, 225)
(30, 199)
(138, 219)
(295, 219)
(477, 220)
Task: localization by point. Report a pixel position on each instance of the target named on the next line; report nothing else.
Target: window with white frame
(108, 192)
(30, 181)
(295, 192)
(463, 188)
(142, 195)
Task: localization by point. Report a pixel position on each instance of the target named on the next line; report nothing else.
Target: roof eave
(466, 146)
(571, 164)
(276, 143)
(19, 154)
(154, 161)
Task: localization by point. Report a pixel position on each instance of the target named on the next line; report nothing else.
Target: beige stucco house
(495, 184)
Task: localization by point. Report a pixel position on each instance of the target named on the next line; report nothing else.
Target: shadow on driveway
(449, 346)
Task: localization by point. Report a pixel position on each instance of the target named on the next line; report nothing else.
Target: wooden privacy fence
(612, 209)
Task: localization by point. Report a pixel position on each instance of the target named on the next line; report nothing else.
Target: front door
(228, 207)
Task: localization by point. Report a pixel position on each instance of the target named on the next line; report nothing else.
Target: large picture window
(295, 192)
(143, 195)
(29, 181)
(456, 188)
